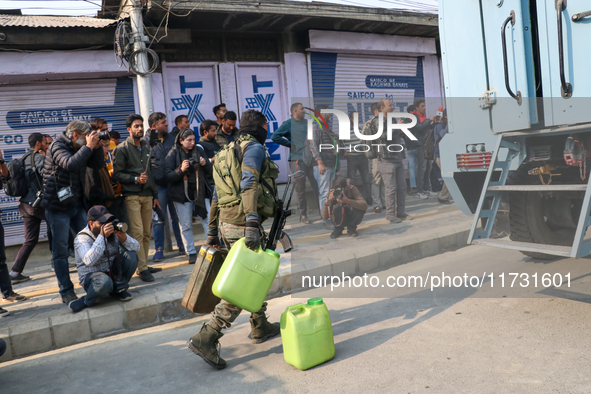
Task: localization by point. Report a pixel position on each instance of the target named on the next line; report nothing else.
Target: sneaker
(422, 195)
(4, 312)
(66, 299)
(146, 276)
(432, 193)
(124, 296)
(14, 297)
(18, 278)
(404, 216)
(393, 220)
(336, 233)
(158, 256)
(447, 202)
(377, 210)
(304, 219)
(181, 252)
(327, 225)
(192, 258)
(77, 305)
(154, 269)
(413, 191)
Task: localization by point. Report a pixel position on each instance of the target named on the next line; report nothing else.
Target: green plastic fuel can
(306, 333)
(246, 276)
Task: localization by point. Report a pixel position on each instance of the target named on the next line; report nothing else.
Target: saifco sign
(392, 124)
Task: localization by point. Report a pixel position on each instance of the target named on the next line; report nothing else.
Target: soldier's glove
(212, 237)
(252, 235)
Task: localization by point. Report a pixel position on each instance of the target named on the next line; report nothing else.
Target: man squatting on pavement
(237, 221)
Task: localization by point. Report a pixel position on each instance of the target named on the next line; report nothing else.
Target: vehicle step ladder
(490, 199)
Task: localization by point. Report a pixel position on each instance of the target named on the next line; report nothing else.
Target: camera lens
(104, 135)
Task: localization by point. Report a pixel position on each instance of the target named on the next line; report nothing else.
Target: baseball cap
(98, 213)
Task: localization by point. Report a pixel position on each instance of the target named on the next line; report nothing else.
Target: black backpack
(429, 145)
(17, 185)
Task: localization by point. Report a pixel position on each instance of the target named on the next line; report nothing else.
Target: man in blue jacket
(292, 133)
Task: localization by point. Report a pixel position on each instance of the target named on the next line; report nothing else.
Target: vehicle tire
(527, 221)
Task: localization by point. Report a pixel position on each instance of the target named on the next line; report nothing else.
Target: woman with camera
(186, 167)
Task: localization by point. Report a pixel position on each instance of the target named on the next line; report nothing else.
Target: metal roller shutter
(47, 107)
(352, 82)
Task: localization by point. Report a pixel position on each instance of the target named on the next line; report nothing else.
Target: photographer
(64, 173)
(106, 258)
(187, 169)
(345, 206)
(30, 205)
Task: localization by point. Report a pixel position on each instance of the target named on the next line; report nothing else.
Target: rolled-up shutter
(47, 108)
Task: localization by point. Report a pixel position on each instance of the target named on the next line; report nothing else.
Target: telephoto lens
(104, 135)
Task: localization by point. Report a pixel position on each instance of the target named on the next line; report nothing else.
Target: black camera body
(193, 163)
(104, 135)
(38, 199)
(338, 193)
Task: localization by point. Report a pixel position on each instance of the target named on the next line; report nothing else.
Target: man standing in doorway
(131, 165)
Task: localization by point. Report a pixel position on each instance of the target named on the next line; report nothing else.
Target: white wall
(18, 67)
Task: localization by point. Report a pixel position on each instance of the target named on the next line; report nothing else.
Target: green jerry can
(306, 333)
(246, 276)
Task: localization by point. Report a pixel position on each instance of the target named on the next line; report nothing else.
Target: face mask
(260, 134)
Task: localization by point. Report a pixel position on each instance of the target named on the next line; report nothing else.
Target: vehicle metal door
(565, 39)
(509, 63)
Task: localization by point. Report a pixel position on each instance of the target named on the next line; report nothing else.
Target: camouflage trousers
(225, 313)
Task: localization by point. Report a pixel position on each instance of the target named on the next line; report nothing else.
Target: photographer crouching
(345, 206)
(106, 258)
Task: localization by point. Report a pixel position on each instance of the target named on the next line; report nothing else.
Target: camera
(338, 193)
(119, 225)
(66, 195)
(193, 162)
(38, 199)
(104, 135)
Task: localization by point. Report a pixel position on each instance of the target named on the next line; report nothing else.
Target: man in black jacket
(32, 216)
(63, 197)
(163, 143)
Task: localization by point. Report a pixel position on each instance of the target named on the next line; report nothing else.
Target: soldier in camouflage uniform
(238, 214)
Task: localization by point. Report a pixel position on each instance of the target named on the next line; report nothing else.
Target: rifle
(276, 233)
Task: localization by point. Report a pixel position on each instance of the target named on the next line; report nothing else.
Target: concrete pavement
(43, 323)
(417, 343)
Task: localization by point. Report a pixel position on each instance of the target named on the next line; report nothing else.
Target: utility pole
(144, 82)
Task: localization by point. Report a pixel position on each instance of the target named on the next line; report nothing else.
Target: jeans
(32, 228)
(416, 168)
(378, 191)
(185, 210)
(159, 226)
(99, 284)
(139, 212)
(324, 183)
(5, 285)
(427, 175)
(300, 185)
(393, 176)
(359, 164)
(60, 224)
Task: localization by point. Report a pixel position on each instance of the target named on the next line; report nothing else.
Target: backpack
(17, 185)
(429, 145)
(227, 173)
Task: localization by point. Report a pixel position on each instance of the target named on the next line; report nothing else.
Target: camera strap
(34, 167)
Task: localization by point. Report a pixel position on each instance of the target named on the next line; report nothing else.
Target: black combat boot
(205, 345)
(261, 329)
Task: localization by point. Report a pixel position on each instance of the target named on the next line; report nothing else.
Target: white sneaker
(422, 195)
(432, 193)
